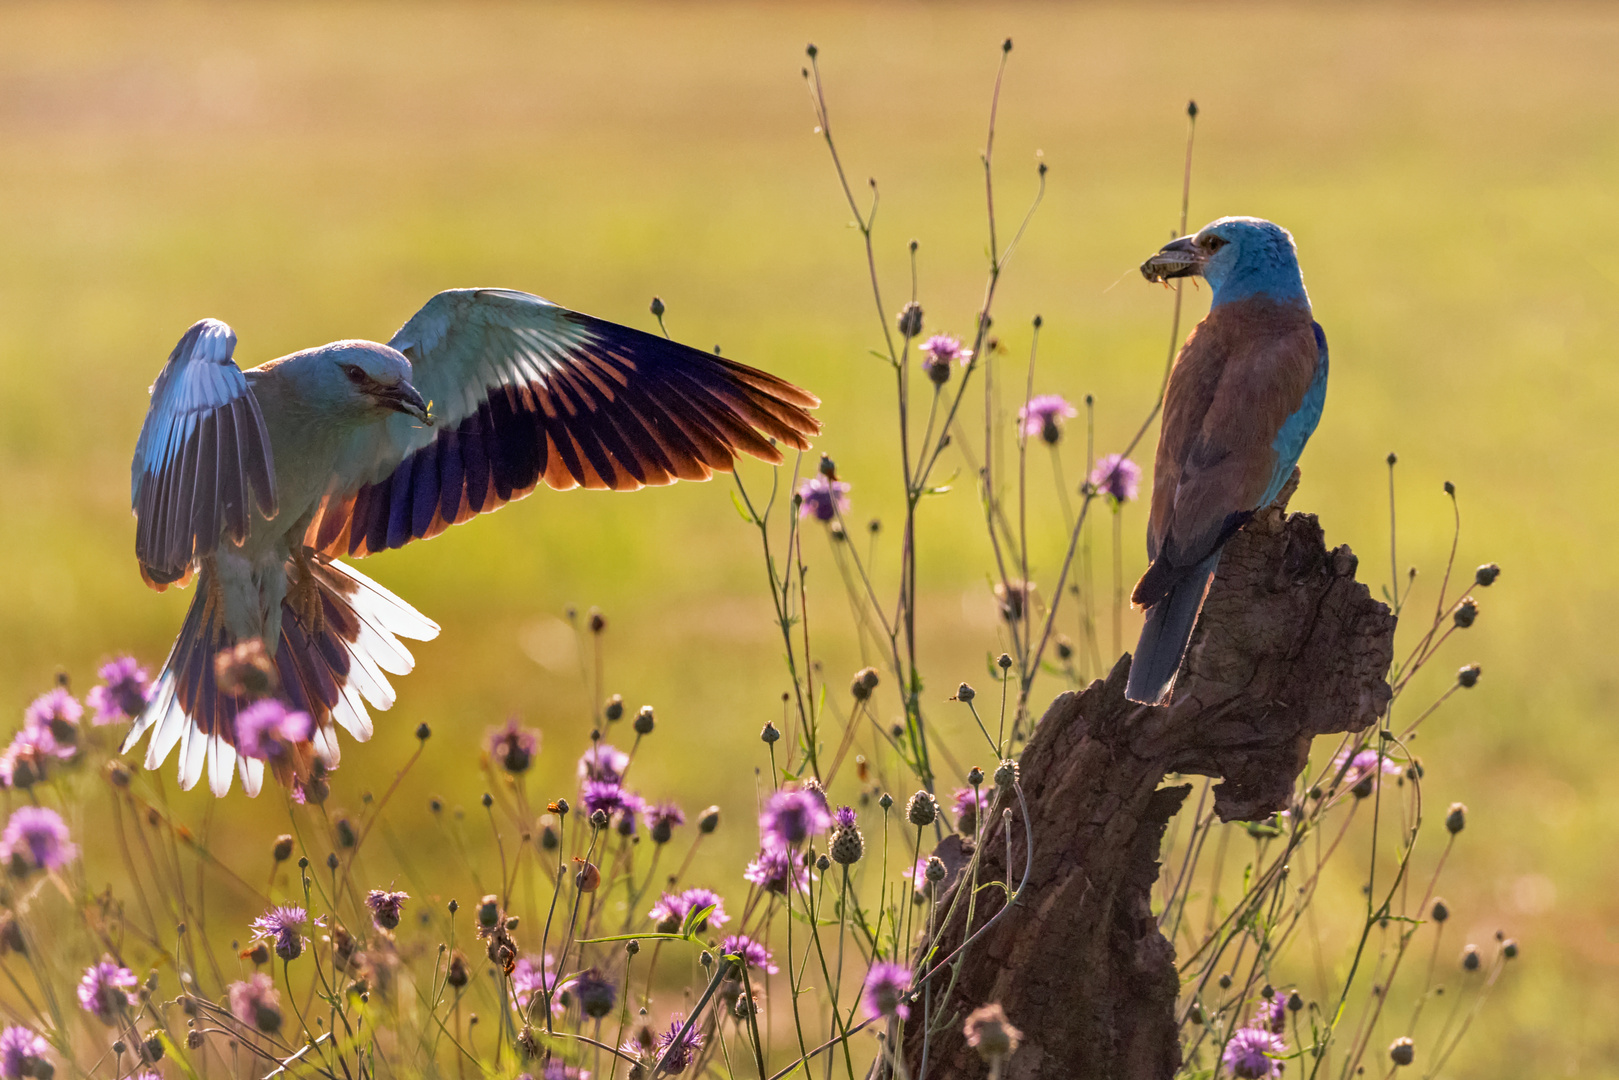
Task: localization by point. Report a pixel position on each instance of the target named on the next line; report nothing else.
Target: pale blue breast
(1297, 429)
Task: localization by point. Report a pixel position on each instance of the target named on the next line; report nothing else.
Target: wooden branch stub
(1289, 646)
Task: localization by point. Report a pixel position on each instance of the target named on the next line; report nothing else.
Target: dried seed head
(990, 1033)
(865, 681)
(644, 721)
(922, 809)
(193, 1039)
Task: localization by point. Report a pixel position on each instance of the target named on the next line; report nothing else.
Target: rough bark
(1289, 646)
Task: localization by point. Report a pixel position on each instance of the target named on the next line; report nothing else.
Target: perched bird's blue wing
(525, 392)
(202, 463)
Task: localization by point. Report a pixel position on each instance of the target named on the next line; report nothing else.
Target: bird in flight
(1244, 397)
(257, 482)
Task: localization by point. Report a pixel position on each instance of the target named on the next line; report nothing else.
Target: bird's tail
(331, 672)
(1167, 632)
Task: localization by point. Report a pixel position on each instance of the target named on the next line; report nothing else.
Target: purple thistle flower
(56, 713)
(126, 688)
(597, 995)
(822, 498)
(753, 953)
(945, 349)
(561, 1070)
(385, 907)
(35, 838)
(672, 910)
(1117, 477)
(604, 762)
(792, 816)
(1251, 1054)
(968, 803)
(21, 1052)
(267, 729)
(280, 926)
(1273, 1014)
(661, 820)
(608, 796)
(844, 817)
(1363, 767)
(772, 868)
(677, 1051)
(939, 352)
(537, 975)
(25, 762)
(885, 988)
(104, 992)
(256, 1003)
(513, 747)
(1043, 416)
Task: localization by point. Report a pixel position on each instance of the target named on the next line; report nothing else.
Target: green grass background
(314, 172)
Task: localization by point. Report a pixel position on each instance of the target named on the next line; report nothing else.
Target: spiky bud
(1468, 676)
(1466, 612)
(1485, 575)
(644, 721)
(847, 846)
(769, 735)
(885, 800)
(1006, 774)
(935, 871)
(910, 320)
(922, 809)
(489, 911)
(865, 681)
(965, 693)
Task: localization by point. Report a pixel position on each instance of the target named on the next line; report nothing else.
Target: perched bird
(1245, 395)
(259, 480)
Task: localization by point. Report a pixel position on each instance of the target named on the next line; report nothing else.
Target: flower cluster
(123, 693)
(822, 498)
(35, 838)
(669, 914)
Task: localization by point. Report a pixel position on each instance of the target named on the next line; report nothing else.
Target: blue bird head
(1239, 257)
(361, 378)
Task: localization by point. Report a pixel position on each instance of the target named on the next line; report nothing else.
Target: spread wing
(524, 392)
(202, 464)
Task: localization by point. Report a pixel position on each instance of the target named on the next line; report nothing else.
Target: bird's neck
(1275, 279)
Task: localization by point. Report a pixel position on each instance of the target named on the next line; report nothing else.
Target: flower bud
(614, 709)
(885, 800)
(910, 320)
(1003, 661)
(1441, 911)
(1509, 948)
(822, 863)
(489, 911)
(644, 721)
(829, 468)
(1006, 774)
(975, 776)
(769, 735)
(1470, 958)
(1466, 612)
(457, 974)
(1485, 575)
(1468, 676)
(1456, 819)
(1401, 1051)
(708, 820)
(282, 851)
(965, 693)
(922, 809)
(935, 869)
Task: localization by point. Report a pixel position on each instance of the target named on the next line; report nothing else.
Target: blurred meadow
(313, 172)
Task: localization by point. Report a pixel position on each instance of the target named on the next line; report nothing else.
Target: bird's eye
(354, 372)
(1213, 243)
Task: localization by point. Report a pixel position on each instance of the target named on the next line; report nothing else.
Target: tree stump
(1289, 646)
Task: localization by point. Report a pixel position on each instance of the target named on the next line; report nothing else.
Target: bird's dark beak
(404, 398)
(1178, 258)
